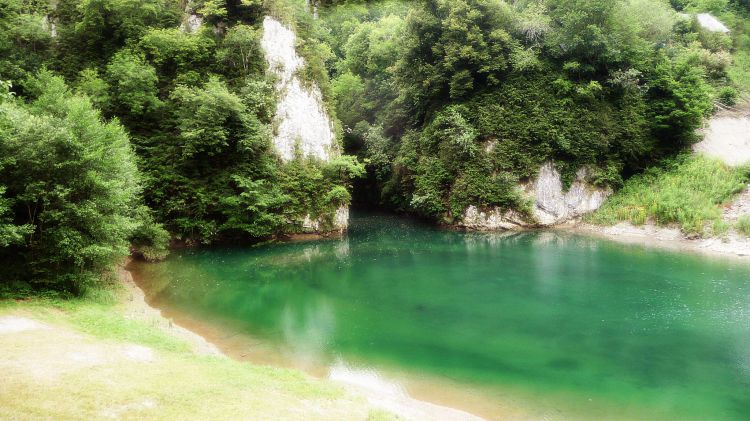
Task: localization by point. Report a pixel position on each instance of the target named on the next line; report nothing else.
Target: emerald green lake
(576, 326)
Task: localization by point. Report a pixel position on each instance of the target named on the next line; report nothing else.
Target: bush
(728, 96)
(149, 240)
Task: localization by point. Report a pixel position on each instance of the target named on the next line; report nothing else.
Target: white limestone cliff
(553, 205)
(302, 125)
(709, 22)
(301, 120)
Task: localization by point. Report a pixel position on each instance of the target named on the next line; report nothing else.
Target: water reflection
(308, 330)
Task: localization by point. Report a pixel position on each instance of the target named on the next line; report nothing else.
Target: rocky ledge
(551, 204)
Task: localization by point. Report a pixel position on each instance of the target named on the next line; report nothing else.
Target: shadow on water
(552, 314)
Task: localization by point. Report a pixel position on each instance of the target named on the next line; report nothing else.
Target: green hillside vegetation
(117, 128)
(455, 102)
(120, 132)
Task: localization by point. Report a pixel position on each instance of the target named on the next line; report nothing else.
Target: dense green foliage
(660, 195)
(450, 102)
(196, 107)
(70, 188)
(455, 102)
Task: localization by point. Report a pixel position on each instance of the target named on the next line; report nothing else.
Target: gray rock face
(191, 24)
(339, 224)
(491, 220)
(551, 204)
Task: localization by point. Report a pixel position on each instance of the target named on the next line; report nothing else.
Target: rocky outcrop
(338, 224)
(551, 204)
(302, 124)
(191, 23)
(191, 20)
(493, 219)
(709, 22)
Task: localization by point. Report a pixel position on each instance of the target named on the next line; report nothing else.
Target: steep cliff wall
(302, 123)
(302, 127)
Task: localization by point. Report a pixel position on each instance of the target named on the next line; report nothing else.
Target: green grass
(40, 380)
(743, 225)
(739, 72)
(686, 192)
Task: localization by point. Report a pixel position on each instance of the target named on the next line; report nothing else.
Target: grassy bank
(85, 358)
(687, 192)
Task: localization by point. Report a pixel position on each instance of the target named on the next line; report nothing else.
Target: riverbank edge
(648, 235)
(732, 244)
(407, 407)
(653, 236)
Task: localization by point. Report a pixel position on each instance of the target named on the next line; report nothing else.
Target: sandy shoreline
(136, 308)
(206, 339)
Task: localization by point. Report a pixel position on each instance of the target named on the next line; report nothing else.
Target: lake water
(566, 326)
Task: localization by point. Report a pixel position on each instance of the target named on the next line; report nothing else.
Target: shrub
(743, 225)
(728, 96)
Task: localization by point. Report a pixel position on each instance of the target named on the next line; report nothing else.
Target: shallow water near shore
(536, 324)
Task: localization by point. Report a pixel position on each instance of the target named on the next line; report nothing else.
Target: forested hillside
(92, 88)
(454, 103)
(136, 122)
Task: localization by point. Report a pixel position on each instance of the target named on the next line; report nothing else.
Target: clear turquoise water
(642, 333)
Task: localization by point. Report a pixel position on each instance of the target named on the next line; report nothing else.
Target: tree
(213, 121)
(25, 39)
(349, 91)
(70, 186)
(173, 52)
(134, 84)
(91, 31)
(678, 100)
(452, 48)
(240, 50)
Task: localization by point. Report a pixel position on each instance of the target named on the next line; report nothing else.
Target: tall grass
(686, 192)
(743, 225)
